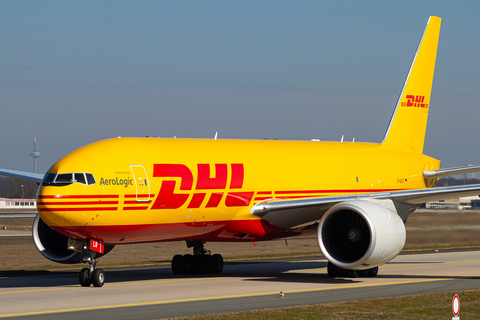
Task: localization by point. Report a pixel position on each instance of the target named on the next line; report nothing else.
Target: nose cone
(51, 204)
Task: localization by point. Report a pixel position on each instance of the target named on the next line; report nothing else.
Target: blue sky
(77, 72)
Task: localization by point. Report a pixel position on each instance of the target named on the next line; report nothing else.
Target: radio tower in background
(35, 155)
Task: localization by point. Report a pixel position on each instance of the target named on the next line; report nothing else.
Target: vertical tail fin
(409, 121)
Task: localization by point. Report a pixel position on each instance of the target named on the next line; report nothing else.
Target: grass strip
(426, 306)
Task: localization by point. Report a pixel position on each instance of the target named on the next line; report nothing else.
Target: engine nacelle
(53, 245)
(360, 234)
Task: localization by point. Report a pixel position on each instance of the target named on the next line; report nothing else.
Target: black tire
(362, 273)
(83, 277)
(188, 266)
(178, 264)
(217, 263)
(332, 270)
(372, 273)
(98, 278)
(198, 264)
(353, 274)
(208, 260)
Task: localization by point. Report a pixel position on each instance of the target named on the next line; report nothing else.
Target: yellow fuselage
(156, 189)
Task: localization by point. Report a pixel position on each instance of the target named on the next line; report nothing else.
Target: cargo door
(142, 184)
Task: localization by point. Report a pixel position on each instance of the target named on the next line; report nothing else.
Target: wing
(30, 176)
(298, 213)
(449, 171)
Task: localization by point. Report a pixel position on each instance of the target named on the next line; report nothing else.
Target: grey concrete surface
(15, 233)
(149, 293)
(10, 215)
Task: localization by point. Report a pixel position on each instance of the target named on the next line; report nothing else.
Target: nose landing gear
(91, 275)
(201, 262)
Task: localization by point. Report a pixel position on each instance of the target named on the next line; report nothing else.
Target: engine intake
(53, 245)
(361, 234)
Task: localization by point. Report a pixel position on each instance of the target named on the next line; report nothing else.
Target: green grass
(426, 306)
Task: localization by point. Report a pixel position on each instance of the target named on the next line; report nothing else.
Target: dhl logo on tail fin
(414, 101)
(409, 121)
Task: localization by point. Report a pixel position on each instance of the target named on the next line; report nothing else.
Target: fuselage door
(142, 184)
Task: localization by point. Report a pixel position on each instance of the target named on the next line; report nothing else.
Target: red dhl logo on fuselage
(415, 101)
(168, 199)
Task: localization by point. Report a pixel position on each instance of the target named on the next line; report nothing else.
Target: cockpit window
(90, 178)
(49, 177)
(64, 179)
(80, 178)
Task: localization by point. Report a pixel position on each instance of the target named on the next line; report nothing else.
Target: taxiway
(152, 293)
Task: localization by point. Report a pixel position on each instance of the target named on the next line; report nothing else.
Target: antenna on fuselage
(216, 135)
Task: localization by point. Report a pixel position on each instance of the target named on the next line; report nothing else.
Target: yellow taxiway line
(113, 285)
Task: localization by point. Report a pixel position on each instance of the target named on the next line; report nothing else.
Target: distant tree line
(12, 188)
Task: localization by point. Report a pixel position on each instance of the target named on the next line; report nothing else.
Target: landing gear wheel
(201, 262)
(373, 272)
(362, 273)
(332, 270)
(83, 277)
(353, 274)
(198, 264)
(178, 264)
(98, 278)
(188, 263)
(208, 264)
(217, 263)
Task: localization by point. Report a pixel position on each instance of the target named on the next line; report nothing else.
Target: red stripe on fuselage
(296, 197)
(110, 196)
(264, 192)
(80, 209)
(76, 203)
(336, 191)
(262, 198)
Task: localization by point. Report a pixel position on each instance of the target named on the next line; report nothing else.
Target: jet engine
(361, 234)
(53, 245)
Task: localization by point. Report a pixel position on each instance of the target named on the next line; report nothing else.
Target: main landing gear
(334, 271)
(91, 275)
(202, 261)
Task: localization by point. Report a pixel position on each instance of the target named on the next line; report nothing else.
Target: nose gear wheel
(90, 275)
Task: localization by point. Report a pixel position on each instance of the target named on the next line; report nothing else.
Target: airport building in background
(6, 204)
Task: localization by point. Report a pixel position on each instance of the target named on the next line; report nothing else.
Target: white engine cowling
(53, 245)
(361, 234)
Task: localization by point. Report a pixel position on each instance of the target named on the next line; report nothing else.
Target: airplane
(355, 196)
